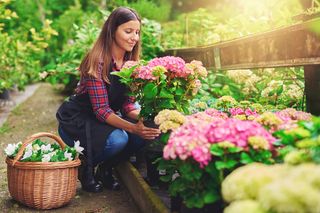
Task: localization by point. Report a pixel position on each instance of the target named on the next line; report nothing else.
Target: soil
(37, 114)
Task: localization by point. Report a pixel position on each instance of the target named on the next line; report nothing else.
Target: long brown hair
(102, 47)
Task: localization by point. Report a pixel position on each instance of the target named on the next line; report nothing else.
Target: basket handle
(34, 137)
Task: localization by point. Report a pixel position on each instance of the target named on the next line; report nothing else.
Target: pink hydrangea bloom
(175, 65)
(239, 111)
(144, 72)
(130, 64)
(189, 141)
(290, 117)
(194, 138)
(237, 132)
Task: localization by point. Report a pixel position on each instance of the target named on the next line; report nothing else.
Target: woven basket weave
(42, 185)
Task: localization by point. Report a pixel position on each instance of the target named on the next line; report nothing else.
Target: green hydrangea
(244, 206)
(289, 196)
(297, 156)
(245, 182)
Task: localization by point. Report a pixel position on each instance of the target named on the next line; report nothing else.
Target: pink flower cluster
(144, 72)
(130, 64)
(292, 114)
(237, 132)
(189, 140)
(194, 138)
(175, 65)
(208, 115)
(290, 117)
(239, 111)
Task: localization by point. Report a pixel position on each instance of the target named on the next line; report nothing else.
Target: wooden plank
(295, 45)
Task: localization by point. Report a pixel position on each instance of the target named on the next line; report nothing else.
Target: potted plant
(162, 83)
(206, 148)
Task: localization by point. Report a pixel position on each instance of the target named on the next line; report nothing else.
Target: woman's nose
(135, 37)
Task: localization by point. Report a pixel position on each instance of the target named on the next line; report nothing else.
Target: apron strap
(89, 147)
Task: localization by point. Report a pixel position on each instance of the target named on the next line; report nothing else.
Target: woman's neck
(117, 54)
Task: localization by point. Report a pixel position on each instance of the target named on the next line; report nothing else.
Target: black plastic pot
(153, 174)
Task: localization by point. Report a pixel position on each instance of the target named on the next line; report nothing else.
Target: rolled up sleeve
(129, 105)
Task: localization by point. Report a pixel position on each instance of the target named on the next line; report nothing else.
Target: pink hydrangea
(175, 65)
(130, 64)
(216, 113)
(237, 132)
(144, 72)
(194, 138)
(291, 116)
(189, 140)
(239, 111)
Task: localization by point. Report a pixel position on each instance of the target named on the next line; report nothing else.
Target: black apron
(77, 119)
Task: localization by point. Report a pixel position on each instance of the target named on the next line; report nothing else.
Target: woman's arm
(138, 128)
(130, 108)
(98, 94)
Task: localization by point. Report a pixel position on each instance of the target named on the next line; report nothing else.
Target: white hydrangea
(239, 76)
(293, 92)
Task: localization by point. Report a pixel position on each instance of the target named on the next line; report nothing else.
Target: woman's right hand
(145, 132)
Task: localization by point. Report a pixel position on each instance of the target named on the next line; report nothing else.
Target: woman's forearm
(120, 123)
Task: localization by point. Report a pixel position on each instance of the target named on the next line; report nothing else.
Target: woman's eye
(128, 31)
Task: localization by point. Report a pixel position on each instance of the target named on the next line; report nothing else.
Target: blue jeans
(118, 140)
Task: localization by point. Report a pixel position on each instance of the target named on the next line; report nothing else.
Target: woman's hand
(145, 132)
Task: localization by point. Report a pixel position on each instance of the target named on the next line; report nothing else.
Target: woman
(92, 114)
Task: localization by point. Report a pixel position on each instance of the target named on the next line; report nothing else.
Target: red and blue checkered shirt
(98, 94)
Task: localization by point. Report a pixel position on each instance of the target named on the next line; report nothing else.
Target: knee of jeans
(118, 138)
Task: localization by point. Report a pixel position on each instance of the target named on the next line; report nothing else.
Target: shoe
(104, 175)
(86, 177)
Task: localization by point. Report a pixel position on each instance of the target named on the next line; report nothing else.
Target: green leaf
(225, 165)
(279, 90)
(212, 169)
(234, 149)
(165, 93)
(216, 150)
(179, 91)
(245, 158)
(166, 178)
(165, 103)
(211, 197)
(150, 90)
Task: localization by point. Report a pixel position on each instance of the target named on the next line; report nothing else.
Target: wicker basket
(42, 185)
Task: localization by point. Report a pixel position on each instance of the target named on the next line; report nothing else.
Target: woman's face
(127, 35)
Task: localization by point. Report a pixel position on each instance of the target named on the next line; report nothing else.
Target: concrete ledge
(144, 197)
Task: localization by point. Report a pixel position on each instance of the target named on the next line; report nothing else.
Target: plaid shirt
(97, 90)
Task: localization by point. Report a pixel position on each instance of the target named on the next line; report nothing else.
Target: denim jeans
(118, 141)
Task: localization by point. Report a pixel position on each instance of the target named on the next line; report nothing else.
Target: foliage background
(53, 36)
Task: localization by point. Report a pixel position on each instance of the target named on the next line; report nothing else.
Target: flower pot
(175, 203)
(153, 174)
